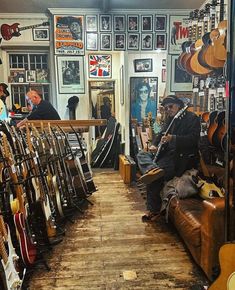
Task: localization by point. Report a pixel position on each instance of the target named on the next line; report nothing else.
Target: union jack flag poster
(100, 66)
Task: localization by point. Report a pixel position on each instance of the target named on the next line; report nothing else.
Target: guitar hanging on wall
(8, 31)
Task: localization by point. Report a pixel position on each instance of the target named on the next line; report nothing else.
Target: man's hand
(152, 148)
(166, 139)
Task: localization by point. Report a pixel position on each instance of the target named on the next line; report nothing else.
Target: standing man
(41, 109)
(180, 152)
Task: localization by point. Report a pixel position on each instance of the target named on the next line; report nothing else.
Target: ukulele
(8, 31)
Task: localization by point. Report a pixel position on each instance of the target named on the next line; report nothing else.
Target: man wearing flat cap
(179, 152)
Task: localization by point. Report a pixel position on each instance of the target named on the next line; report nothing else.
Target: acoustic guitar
(219, 47)
(220, 130)
(8, 31)
(194, 63)
(227, 264)
(212, 125)
(207, 53)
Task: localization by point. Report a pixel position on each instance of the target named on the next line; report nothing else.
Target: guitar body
(220, 130)
(209, 189)
(212, 126)
(231, 282)
(8, 31)
(209, 58)
(196, 66)
(219, 47)
(227, 264)
(58, 200)
(12, 279)
(27, 249)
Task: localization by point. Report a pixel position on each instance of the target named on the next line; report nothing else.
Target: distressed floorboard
(110, 239)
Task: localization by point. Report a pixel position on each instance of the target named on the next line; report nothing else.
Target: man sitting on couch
(179, 152)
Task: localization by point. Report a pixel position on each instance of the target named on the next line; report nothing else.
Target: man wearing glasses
(179, 153)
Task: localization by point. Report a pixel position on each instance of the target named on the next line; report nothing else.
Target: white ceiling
(41, 6)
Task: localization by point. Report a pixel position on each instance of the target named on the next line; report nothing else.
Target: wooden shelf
(81, 125)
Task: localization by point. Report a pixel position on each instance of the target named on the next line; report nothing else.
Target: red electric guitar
(8, 31)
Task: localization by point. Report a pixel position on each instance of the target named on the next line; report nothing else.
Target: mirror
(102, 101)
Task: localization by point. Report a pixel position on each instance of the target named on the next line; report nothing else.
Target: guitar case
(104, 145)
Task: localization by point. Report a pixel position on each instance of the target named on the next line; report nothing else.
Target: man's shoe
(152, 175)
(150, 217)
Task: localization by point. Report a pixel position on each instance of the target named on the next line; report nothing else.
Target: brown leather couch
(201, 225)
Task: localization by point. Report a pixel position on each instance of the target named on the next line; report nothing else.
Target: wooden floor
(110, 248)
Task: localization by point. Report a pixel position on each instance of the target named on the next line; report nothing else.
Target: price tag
(201, 94)
(51, 151)
(13, 169)
(195, 90)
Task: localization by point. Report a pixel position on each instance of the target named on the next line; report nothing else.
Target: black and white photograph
(70, 74)
(143, 65)
(146, 23)
(31, 76)
(91, 41)
(160, 41)
(133, 41)
(119, 41)
(105, 41)
(147, 41)
(133, 23)
(160, 22)
(40, 34)
(106, 23)
(91, 23)
(42, 76)
(119, 22)
(164, 62)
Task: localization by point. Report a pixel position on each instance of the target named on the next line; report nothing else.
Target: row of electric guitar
(205, 50)
(43, 181)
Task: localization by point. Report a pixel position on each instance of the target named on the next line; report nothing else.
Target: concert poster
(69, 34)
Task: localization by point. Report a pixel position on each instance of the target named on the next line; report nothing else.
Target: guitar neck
(32, 26)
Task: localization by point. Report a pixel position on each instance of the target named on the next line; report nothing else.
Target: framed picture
(119, 41)
(142, 88)
(122, 85)
(91, 41)
(163, 75)
(180, 79)
(133, 41)
(119, 22)
(160, 41)
(30, 76)
(105, 41)
(133, 23)
(143, 65)
(91, 23)
(147, 41)
(106, 22)
(146, 23)
(164, 62)
(41, 34)
(70, 74)
(17, 76)
(100, 66)
(160, 22)
(42, 76)
(69, 34)
(178, 33)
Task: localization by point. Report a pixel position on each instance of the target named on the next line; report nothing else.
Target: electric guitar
(160, 148)
(8, 31)
(27, 248)
(9, 258)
